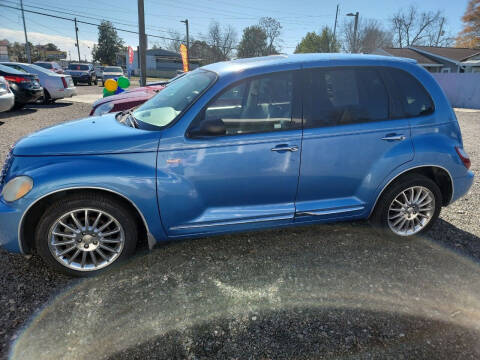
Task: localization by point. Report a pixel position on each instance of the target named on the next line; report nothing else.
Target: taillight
(463, 156)
(64, 82)
(17, 79)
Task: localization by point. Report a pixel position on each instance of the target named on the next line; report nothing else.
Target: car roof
(302, 60)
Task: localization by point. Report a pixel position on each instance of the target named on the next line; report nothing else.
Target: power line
(84, 22)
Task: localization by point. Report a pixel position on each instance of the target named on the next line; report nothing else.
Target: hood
(93, 135)
(141, 93)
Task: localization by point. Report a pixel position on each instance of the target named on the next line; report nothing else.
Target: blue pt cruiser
(239, 145)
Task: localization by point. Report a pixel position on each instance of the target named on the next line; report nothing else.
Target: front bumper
(81, 78)
(10, 219)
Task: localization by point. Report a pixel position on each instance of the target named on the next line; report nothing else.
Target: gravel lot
(329, 291)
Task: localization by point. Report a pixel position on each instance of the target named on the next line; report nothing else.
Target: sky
(297, 18)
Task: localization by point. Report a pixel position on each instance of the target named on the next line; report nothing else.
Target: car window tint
(344, 96)
(262, 104)
(408, 95)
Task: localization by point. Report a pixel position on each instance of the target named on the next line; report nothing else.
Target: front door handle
(285, 148)
(394, 137)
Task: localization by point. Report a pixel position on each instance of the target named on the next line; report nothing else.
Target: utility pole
(27, 45)
(354, 31)
(76, 35)
(188, 39)
(142, 44)
(335, 26)
(440, 32)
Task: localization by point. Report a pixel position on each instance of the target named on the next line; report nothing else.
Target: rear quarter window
(408, 96)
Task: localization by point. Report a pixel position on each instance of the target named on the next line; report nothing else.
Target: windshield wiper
(128, 115)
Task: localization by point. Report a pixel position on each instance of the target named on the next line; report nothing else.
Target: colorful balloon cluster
(115, 86)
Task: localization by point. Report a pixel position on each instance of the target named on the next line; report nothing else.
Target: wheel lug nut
(85, 246)
(95, 242)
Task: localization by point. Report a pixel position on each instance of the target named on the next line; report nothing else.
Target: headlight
(103, 109)
(17, 188)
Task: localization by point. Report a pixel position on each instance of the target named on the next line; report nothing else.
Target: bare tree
(370, 36)
(412, 27)
(272, 28)
(222, 39)
(176, 39)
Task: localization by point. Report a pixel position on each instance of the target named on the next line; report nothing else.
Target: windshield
(77, 67)
(38, 69)
(112, 69)
(45, 65)
(176, 97)
(11, 70)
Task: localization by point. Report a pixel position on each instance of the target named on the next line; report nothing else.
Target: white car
(111, 72)
(7, 98)
(55, 86)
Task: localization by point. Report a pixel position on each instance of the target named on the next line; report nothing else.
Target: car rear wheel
(85, 234)
(46, 99)
(408, 207)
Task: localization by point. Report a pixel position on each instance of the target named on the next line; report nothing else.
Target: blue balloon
(119, 90)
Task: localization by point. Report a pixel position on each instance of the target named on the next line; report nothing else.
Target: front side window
(261, 104)
(164, 107)
(344, 96)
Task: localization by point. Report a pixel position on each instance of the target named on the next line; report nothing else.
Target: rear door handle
(394, 137)
(285, 148)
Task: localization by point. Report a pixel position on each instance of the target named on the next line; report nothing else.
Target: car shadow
(57, 104)
(339, 290)
(24, 111)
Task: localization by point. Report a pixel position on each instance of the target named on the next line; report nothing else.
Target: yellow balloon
(111, 85)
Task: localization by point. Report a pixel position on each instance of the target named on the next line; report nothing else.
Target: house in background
(4, 50)
(438, 59)
(428, 63)
(161, 63)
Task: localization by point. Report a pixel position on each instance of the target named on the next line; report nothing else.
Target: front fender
(131, 176)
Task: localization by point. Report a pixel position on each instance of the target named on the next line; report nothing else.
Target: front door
(355, 135)
(244, 179)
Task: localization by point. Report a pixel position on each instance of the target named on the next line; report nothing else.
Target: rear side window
(408, 97)
(345, 96)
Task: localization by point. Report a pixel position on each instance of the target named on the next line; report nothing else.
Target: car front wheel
(409, 206)
(84, 234)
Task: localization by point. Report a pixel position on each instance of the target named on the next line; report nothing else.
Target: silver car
(7, 98)
(111, 72)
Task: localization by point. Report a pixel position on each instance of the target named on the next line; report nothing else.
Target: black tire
(46, 98)
(74, 83)
(17, 106)
(379, 217)
(90, 82)
(104, 203)
(96, 81)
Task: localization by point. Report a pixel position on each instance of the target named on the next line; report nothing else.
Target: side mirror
(213, 127)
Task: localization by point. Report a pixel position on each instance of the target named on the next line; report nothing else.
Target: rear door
(354, 136)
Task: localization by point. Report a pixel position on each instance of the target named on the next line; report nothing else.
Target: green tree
(272, 28)
(253, 43)
(109, 44)
(314, 43)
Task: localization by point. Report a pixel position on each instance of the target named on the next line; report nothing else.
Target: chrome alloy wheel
(86, 239)
(411, 210)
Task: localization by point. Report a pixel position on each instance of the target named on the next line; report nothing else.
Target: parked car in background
(7, 98)
(111, 72)
(24, 86)
(50, 65)
(82, 73)
(130, 98)
(99, 72)
(125, 100)
(376, 137)
(55, 86)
